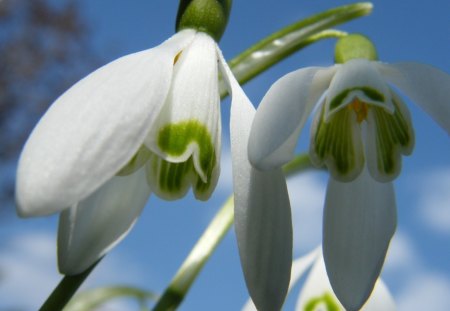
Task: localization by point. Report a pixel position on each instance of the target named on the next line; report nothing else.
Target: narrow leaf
(292, 38)
(91, 299)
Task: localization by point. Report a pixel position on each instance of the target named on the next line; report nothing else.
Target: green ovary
(172, 180)
(326, 299)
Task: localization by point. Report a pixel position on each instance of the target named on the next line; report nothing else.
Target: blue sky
(417, 269)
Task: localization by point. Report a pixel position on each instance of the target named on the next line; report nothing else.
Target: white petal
(359, 221)
(262, 212)
(299, 267)
(425, 85)
(388, 137)
(317, 290)
(282, 114)
(357, 78)
(93, 129)
(381, 299)
(194, 96)
(317, 287)
(91, 228)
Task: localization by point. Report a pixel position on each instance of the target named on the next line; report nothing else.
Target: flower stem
(65, 290)
(183, 279)
(202, 251)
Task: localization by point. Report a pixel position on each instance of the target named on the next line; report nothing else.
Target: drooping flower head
(316, 293)
(146, 122)
(360, 129)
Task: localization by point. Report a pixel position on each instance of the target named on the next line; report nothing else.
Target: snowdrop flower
(146, 122)
(360, 130)
(316, 293)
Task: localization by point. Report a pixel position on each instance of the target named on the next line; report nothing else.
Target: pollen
(177, 57)
(360, 108)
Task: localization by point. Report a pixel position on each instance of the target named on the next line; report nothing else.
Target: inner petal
(337, 144)
(359, 79)
(389, 136)
(186, 137)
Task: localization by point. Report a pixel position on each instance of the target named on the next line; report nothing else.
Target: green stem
(205, 246)
(65, 290)
(203, 249)
(299, 163)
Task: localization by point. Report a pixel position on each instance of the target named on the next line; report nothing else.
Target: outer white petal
(299, 267)
(282, 114)
(317, 285)
(91, 228)
(262, 211)
(359, 222)
(427, 86)
(93, 129)
(381, 299)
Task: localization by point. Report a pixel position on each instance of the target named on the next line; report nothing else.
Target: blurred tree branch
(44, 48)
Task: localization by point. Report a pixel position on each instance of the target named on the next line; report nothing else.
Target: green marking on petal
(171, 180)
(136, 162)
(394, 136)
(371, 93)
(326, 300)
(337, 144)
(174, 139)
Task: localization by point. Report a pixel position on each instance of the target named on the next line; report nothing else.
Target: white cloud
(28, 269)
(417, 287)
(425, 292)
(307, 195)
(402, 256)
(434, 198)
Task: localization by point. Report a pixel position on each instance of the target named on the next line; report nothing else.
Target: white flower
(316, 293)
(361, 127)
(146, 122)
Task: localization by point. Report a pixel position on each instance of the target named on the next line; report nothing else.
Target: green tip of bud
(209, 16)
(354, 46)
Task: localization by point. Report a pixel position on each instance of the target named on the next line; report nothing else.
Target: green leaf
(293, 38)
(91, 299)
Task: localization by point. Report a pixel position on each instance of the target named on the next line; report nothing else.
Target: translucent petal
(282, 114)
(88, 230)
(337, 143)
(317, 292)
(359, 222)
(299, 267)
(94, 129)
(137, 161)
(189, 123)
(425, 85)
(262, 211)
(358, 78)
(388, 137)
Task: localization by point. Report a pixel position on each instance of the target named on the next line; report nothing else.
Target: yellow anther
(177, 57)
(360, 108)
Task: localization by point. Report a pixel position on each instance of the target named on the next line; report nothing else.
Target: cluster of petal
(317, 294)
(150, 122)
(360, 129)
